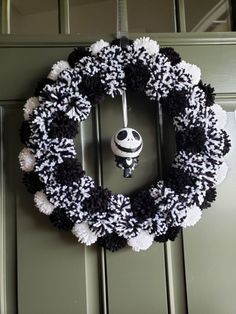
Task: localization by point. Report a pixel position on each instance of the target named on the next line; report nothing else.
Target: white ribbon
(125, 110)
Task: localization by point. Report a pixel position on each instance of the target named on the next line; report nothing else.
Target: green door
(44, 271)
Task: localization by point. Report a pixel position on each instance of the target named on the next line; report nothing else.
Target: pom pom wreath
(143, 205)
(92, 87)
(77, 55)
(112, 242)
(141, 242)
(221, 173)
(171, 54)
(122, 42)
(98, 201)
(41, 84)
(60, 220)
(84, 234)
(209, 93)
(177, 179)
(192, 139)
(26, 160)
(57, 68)
(171, 235)
(69, 171)
(98, 46)
(137, 76)
(29, 106)
(209, 198)
(194, 214)
(175, 102)
(62, 126)
(32, 182)
(191, 69)
(42, 203)
(227, 142)
(25, 132)
(148, 44)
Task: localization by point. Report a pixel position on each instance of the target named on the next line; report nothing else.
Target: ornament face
(127, 143)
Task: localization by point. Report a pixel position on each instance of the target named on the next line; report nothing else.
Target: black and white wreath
(70, 198)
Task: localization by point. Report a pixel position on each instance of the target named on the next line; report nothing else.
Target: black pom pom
(98, 201)
(171, 234)
(177, 179)
(41, 84)
(137, 76)
(69, 171)
(112, 242)
(25, 132)
(123, 40)
(209, 198)
(175, 102)
(171, 54)
(76, 55)
(227, 142)
(32, 182)
(209, 92)
(62, 126)
(91, 86)
(191, 140)
(60, 220)
(143, 206)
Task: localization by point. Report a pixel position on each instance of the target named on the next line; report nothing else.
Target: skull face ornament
(126, 145)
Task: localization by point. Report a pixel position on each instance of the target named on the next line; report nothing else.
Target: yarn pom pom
(177, 179)
(151, 46)
(77, 55)
(191, 69)
(142, 241)
(98, 46)
(41, 84)
(171, 54)
(84, 234)
(194, 214)
(92, 87)
(69, 171)
(112, 242)
(227, 142)
(98, 201)
(171, 235)
(57, 68)
(26, 160)
(42, 203)
(60, 220)
(220, 115)
(32, 182)
(62, 126)
(209, 93)
(209, 198)
(137, 76)
(221, 173)
(143, 205)
(25, 132)
(175, 102)
(29, 106)
(192, 139)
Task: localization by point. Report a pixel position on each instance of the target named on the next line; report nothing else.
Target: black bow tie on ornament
(126, 145)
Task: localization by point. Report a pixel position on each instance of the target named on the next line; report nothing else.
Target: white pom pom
(26, 160)
(191, 69)
(221, 116)
(194, 214)
(221, 173)
(42, 203)
(98, 46)
(84, 234)
(151, 46)
(29, 106)
(142, 241)
(57, 68)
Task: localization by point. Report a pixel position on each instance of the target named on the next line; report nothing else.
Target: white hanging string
(125, 110)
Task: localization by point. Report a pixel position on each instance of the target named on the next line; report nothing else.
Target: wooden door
(44, 271)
